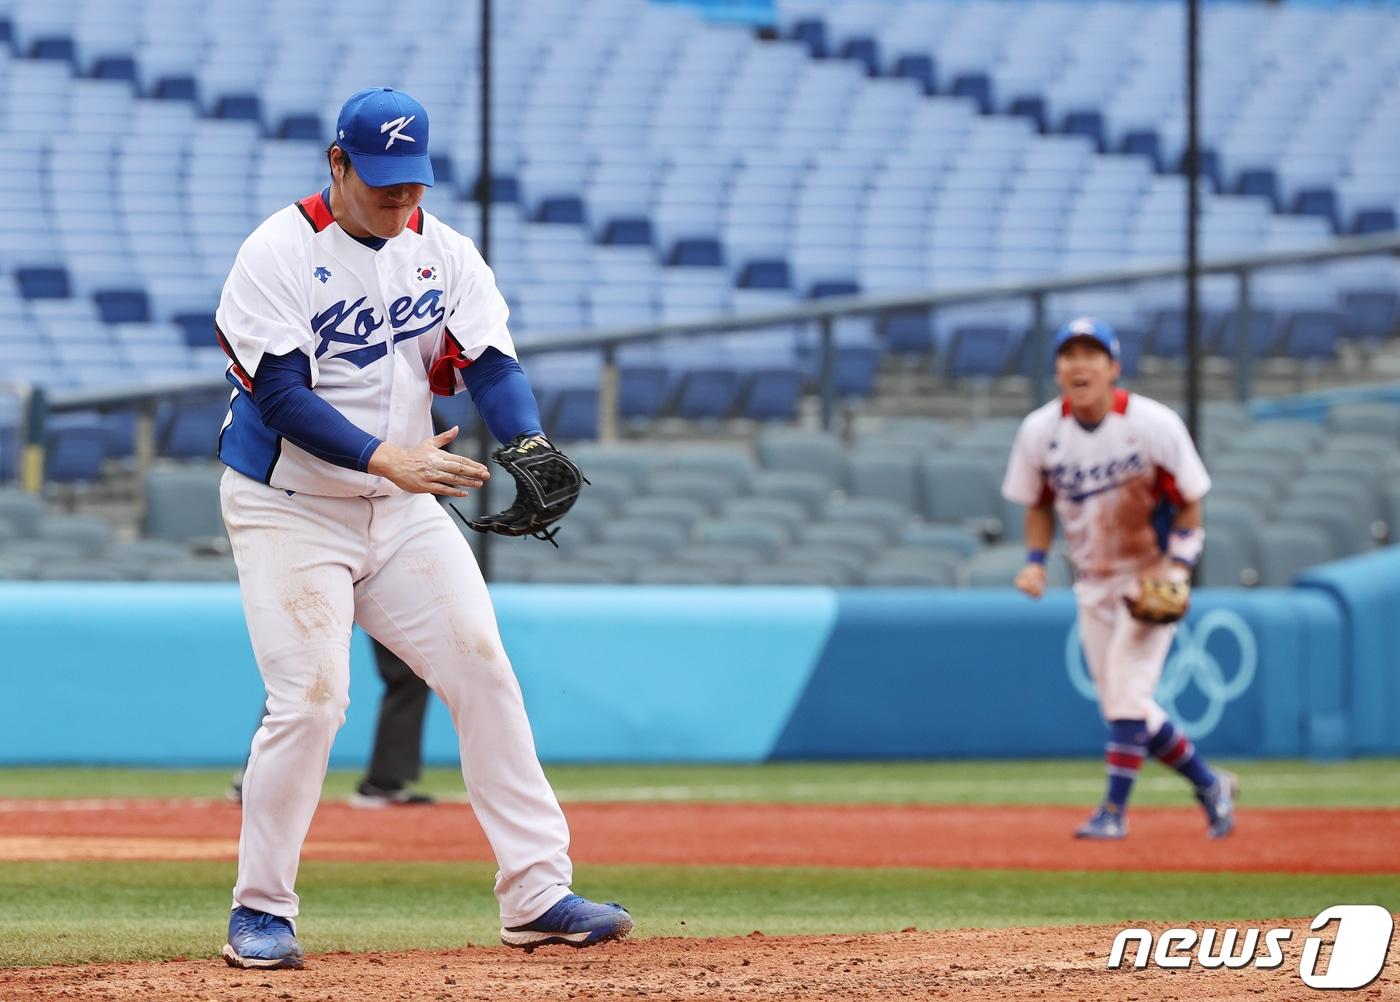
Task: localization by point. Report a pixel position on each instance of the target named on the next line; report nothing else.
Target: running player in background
(1120, 472)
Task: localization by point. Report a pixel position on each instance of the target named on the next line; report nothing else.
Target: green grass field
(80, 912)
(1271, 783)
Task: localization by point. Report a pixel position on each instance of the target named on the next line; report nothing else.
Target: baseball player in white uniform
(1120, 472)
(342, 315)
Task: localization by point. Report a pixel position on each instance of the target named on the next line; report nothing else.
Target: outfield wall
(163, 674)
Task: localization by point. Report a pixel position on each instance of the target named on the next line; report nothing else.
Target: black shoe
(368, 794)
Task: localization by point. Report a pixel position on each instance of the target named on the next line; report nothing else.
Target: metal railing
(824, 313)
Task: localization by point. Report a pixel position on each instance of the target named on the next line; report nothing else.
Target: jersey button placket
(384, 281)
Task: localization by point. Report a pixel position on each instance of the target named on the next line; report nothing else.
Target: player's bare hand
(427, 469)
(1031, 580)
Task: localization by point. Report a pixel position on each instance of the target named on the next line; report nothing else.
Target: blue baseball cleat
(1105, 823)
(574, 921)
(1219, 804)
(257, 939)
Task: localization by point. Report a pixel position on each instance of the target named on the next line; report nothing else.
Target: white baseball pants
(1125, 656)
(308, 568)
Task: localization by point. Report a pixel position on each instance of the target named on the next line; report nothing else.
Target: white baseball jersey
(1108, 481)
(372, 323)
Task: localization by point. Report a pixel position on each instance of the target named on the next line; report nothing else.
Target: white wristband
(1185, 546)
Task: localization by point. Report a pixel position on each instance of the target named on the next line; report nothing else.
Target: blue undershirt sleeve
(284, 398)
(503, 396)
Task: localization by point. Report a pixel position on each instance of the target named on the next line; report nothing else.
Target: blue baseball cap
(385, 133)
(1095, 330)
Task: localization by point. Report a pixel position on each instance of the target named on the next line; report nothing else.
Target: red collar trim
(316, 212)
(1120, 403)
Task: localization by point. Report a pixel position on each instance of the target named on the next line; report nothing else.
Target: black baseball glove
(547, 484)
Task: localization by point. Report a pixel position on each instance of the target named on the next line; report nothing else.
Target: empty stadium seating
(653, 165)
(657, 163)
(907, 502)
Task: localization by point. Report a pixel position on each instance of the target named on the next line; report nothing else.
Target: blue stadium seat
(1259, 181)
(43, 283)
(977, 86)
(1374, 221)
(641, 390)
(1264, 330)
(505, 189)
(1143, 143)
(1167, 333)
(575, 414)
(765, 275)
(1312, 335)
(772, 394)
(239, 108)
(981, 351)
(301, 126)
(811, 32)
(1030, 106)
(864, 50)
(906, 332)
(706, 393)
(1085, 123)
(75, 446)
(1370, 314)
(561, 209)
(1210, 169)
(198, 328)
(54, 47)
(179, 87)
(627, 233)
(1317, 202)
(188, 428)
(918, 67)
(114, 68)
(444, 172)
(831, 288)
(696, 252)
(856, 369)
(123, 306)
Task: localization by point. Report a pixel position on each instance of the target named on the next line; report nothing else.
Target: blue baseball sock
(1123, 758)
(1172, 748)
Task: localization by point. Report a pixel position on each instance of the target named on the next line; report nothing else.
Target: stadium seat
(21, 510)
(182, 504)
(1370, 315)
(957, 489)
(981, 351)
(1287, 548)
(764, 537)
(43, 283)
(122, 306)
(74, 449)
(1312, 335)
(906, 574)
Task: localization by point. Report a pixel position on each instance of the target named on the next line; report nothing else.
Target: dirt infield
(1268, 840)
(1068, 962)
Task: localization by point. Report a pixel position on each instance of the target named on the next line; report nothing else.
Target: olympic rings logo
(1190, 662)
